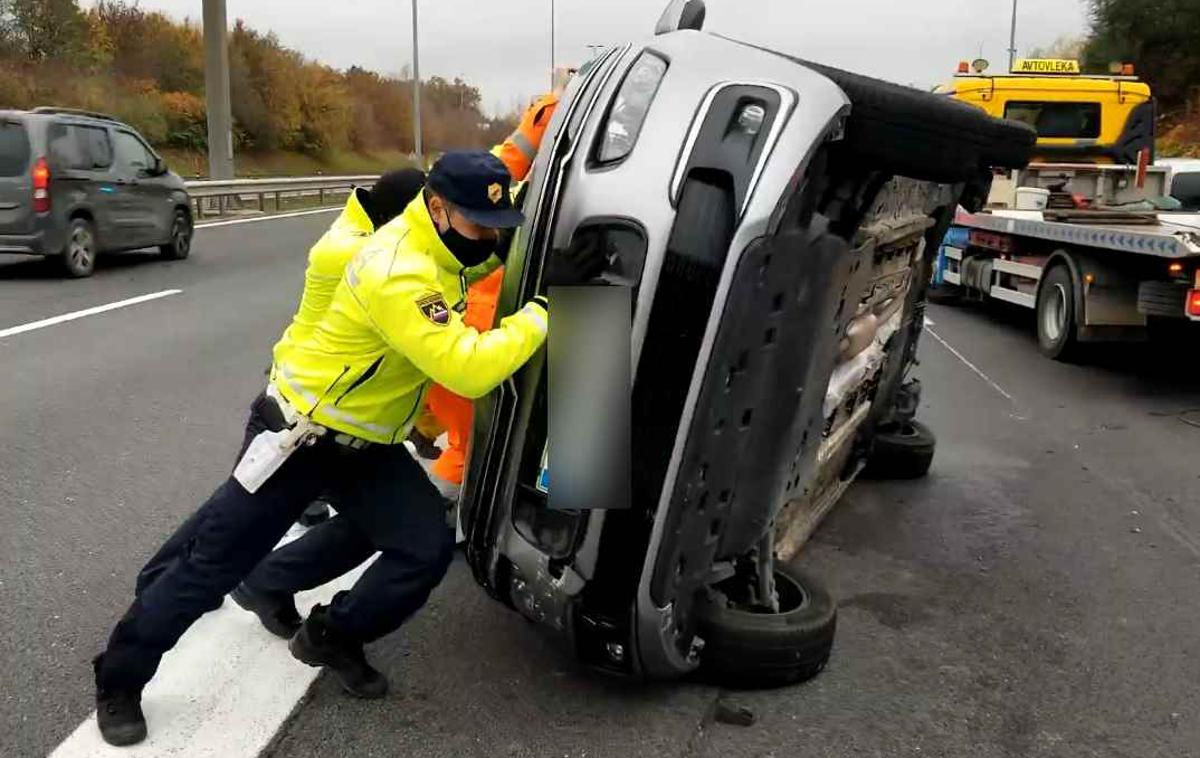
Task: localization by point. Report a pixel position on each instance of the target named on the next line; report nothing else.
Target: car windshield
(1061, 120)
(14, 148)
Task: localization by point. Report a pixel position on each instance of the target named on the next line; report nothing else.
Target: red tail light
(41, 186)
(1193, 304)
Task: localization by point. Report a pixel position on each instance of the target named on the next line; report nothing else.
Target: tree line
(148, 70)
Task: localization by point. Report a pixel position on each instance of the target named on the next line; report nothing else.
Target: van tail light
(41, 186)
(1193, 304)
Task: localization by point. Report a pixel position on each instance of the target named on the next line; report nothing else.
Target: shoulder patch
(433, 307)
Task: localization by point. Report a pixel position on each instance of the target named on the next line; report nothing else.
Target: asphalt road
(1035, 596)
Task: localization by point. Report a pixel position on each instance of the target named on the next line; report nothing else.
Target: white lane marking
(971, 366)
(272, 217)
(10, 331)
(223, 692)
(929, 322)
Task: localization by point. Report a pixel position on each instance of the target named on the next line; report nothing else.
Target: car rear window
(82, 148)
(14, 148)
(1186, 189)
(1061, 120)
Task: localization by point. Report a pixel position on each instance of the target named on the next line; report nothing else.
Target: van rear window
(1065, 120)
(14, 148)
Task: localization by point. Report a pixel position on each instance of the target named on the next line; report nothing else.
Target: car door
(135, 212)
(81, 161)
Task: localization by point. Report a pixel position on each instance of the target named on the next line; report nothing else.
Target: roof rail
(74, 112)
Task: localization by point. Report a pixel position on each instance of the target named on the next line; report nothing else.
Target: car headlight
(629, 110)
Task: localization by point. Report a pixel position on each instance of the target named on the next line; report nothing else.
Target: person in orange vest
(447, 411)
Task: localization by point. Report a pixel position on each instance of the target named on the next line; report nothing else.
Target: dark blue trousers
(386, 504)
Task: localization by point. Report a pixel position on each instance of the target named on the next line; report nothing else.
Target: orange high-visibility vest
(453, 411)
(519, 150)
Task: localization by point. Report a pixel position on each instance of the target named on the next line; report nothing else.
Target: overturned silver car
(775, 220)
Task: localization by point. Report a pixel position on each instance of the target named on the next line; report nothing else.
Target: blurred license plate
(543, 479)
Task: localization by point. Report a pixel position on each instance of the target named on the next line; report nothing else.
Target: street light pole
(216, 87)
(417, 147)
(1012, 39)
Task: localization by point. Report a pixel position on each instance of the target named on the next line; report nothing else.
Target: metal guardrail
(205, 191)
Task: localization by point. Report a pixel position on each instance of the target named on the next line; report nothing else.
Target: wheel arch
(1069, 259)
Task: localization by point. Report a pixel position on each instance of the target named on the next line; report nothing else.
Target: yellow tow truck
(1080, 118)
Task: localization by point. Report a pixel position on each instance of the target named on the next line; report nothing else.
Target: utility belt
(271, 448)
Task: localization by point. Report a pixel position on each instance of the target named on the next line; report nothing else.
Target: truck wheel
(180, 243)
(79, 254)
(943, 294)
(1056, 326)
(904, 453)
(755, 648)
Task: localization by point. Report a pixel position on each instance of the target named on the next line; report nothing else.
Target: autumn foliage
(148, 69)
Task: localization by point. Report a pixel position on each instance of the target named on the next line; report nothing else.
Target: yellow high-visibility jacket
(327, 262)
(392, 326)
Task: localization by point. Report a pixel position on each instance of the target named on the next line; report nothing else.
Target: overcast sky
(504, 47)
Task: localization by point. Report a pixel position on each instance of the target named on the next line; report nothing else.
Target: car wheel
(180, 242)
(904, 453)
(1056, 325)
(79, 254)
(756, 648)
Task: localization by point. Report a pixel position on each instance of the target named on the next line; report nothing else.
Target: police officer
(340, 402)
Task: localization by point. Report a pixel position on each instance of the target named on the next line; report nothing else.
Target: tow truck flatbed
(1174, 236)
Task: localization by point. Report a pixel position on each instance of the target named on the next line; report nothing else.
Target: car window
(1069, 120)
(83, 148)
(131, 153)
(1186, 189)
(14, 148)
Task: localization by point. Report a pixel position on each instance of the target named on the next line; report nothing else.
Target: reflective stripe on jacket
(394, 324)
(519, 150)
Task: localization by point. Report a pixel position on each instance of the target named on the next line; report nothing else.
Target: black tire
(179, 245)
(752, 649)
(904, 453)
(79, 253)
(925, 136)
(1057, 328)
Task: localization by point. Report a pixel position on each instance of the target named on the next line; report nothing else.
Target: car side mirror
(159, 167)
(681, 14)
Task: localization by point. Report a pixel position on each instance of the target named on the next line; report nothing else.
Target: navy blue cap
(477, 184)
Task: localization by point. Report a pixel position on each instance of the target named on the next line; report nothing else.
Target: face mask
(469, 252)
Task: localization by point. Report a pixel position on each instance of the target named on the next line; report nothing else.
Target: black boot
(276, 612)
(426, 448)
(316, 513)
(317, 644)
(118, 711)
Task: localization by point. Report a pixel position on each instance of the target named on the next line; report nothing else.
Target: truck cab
(1080, 118)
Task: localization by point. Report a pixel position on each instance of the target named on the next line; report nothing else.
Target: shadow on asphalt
(37, 268)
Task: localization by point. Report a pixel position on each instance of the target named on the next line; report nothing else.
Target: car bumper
(25, 244)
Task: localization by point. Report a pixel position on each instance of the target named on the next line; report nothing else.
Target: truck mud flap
(753, 442)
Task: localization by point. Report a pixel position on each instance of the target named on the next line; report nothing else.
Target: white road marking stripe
(10, 331)
(929, 321)
(272, 217)
(223, 692)
(971, 366)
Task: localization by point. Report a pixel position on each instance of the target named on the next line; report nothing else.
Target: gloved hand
(585, 259)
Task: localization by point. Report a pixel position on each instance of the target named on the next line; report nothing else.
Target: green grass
(193, 165)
